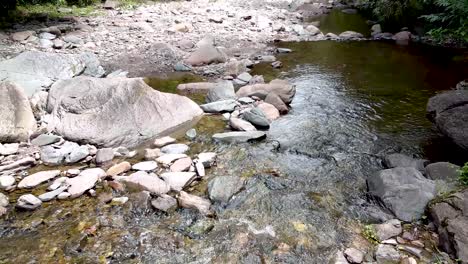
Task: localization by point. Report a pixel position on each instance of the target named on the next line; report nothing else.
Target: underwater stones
(222, 188)
(239, 137)
(28, 202)
(37, 178)
(194, 202)
(164, 203)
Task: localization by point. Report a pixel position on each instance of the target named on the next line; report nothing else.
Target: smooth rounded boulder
(282, 88)
(16, 117)
(115, 112)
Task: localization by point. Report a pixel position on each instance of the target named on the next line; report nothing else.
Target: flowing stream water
(305, 185)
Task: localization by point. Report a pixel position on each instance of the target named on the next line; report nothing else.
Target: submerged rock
(238, 137)
(175, 149)
(85, 109)
(404, 191)
(222, 188)
(16, 116)
(194, 202)
(348, 35)
(164, 203)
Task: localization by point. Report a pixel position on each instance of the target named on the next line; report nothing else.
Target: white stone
(161, 142)
(178, 180)
(145, 166)
(7, 181)
(208, 159)
(169, 158)
(38, 178)
(28, 201)
(146, 182)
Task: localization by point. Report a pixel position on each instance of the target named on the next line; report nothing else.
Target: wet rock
(77, 154)
(277, 64)
(206, 54)
(146, 182)
(283, 50)
(22, 35)
(404, 191)
(38, 178)
(442, 171)
(181, 165)
(116, 186)
(389, 229)
(145, 166)
(313, 30)
(167, 159)
(6, 182)
(164, 203)
(403, 37)
(45, 139)
(221, 91)
(34, 71)
(56, 155)
(239, 137)
(208, 159)
(151, 154)
(353, 255)
(269, 110)
(194, 202)
(63, 196)
(384, 36)
(4, 201)
(281, 88)
(256, 117)
(400, 160)
(453, 123)
(119, 168)
(191, 134)
(219, 106)
(222, 188)
(376, 29)
(200, 169)
(83, 182)
(138, 106)
(16, 115)
(24, 162)
(57, 183)
(9, 149)
(28, 202)
(161, 142)
(120, 200)
(241, 125)
(104, 155)
(275, 100)
(48, 196)
(178, 180)
(387, 254)
(451, 219)
(349, 35)
(175, 149)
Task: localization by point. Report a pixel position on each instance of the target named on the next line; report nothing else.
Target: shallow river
(305, 191)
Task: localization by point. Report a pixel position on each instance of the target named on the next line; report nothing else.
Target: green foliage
(463, 177)
(451, 21)
(369, 233)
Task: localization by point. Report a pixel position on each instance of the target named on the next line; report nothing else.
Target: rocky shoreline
(66, 141)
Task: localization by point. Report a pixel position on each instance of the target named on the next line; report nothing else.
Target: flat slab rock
(146, 182)
(239, 137)
(37, 178)
(84, 181)
(178, 180)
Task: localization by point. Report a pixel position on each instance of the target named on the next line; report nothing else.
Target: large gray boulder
(34, 70)
(404, 191)
(206, 54)
(16, 117)
(222, 188)
(449, 112)
(115, 112)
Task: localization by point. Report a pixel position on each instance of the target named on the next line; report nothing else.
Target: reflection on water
(337, 22)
